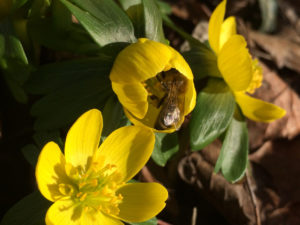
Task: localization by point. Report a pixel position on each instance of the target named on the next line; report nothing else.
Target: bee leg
(161, 101)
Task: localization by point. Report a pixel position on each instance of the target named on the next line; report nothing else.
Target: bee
(172, 103)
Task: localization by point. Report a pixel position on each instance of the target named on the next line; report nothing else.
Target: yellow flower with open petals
(154, 84)
(88, 183)
(239, 70)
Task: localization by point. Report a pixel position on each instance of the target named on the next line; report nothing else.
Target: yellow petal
(141, 61)
(128, 148)
(64, 212)
(141, 201)
(190, 98)
(214, 26)
(235, 63)
(258, 110)
(83, 138)
(178, 62)
(93, 217)
(227, 30)
(133, 96)
(50, 171)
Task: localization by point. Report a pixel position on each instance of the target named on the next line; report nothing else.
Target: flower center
(95, 189)
(166, 91)
(257, 77)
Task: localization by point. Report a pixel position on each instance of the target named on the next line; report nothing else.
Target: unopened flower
(88, 183)
(154, 84)
(241, 73)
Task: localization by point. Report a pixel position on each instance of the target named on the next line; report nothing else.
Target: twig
(194, 216)
(147, 175)
(253, 198)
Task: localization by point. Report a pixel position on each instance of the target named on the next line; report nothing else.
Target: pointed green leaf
(71, 88)
(113, 117)
(13, 61)
(233, 157)
(31, 210)
(153, 21)
(146, 18)
(212, 114)
(166, 145)
(31, 152)
(50, 77)
(103, 19)
(202, 61)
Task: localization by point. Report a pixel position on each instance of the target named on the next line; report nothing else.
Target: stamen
(257, 77)
(66, 189)
(83, 197)
(97, 189)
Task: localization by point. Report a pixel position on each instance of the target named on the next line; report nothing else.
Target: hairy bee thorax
(166, 92)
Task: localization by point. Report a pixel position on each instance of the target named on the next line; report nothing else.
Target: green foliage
(13, 61)
(113, 117)
(152, 221)
(18, 3)
(202, 61)
(146, 18)
(31, 210)
(233, 158)
(166, 145)
(71, 88)
(212, 114)
(103, 20)
(32, 151)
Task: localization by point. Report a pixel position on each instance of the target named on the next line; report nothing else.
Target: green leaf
(31, 152)
(135, 11)
(13, 61)
(212, 114)
(113, 116)
(166, 145)
(103, 19)
(233, 158)
(146, 18)
(64, 105)
(202, 61)
(164, 7)
(153, 21)
(31, 210)
(72, 88)
(18, 3)
(50, 77)
(46, 33)
(152, 221)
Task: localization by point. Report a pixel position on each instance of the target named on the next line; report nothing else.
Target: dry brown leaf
(232, 200)
(284, 52)
(276, 91)
(278, 192)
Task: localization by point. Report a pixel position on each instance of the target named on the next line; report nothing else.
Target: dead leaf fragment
(278, 92)
(284, 52)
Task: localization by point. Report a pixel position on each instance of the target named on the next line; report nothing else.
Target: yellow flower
(88, 184)
(241, 73)
(154, 84)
